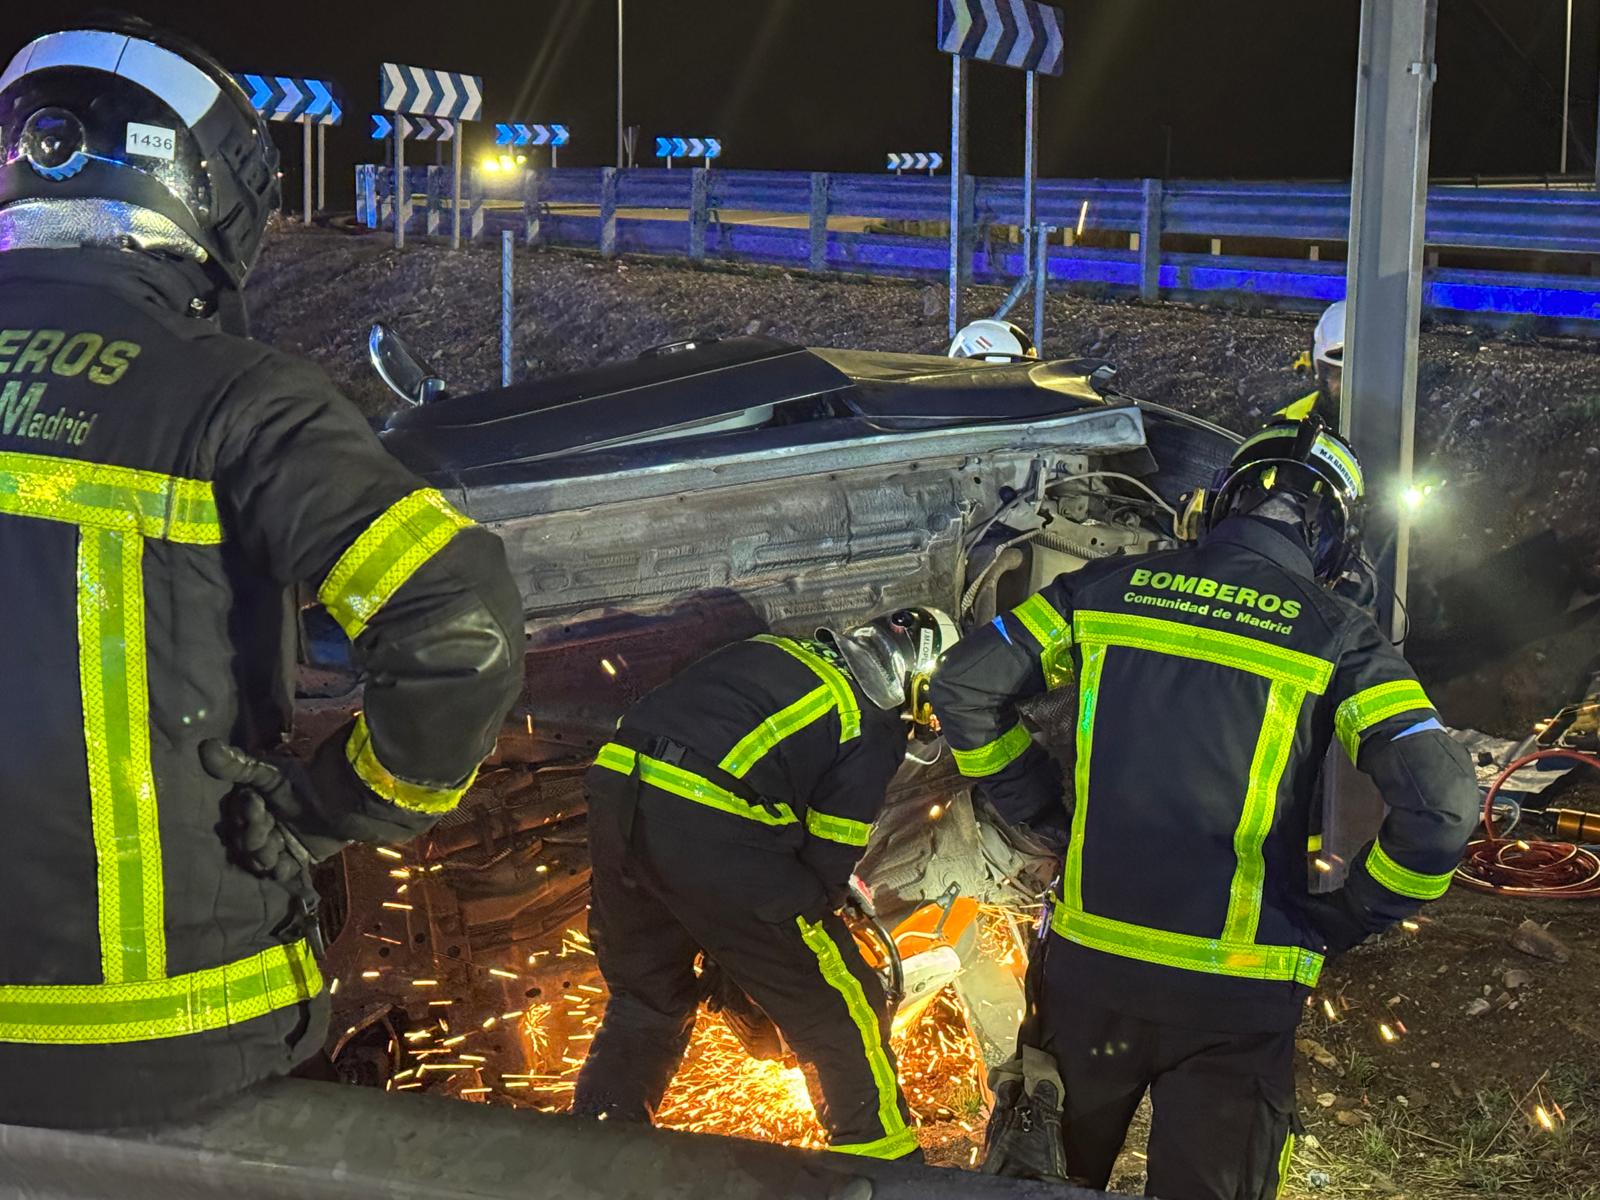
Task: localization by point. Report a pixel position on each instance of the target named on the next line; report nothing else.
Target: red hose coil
(1528, 866)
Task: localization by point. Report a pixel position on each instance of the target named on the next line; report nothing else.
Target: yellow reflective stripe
(1205, 645)
(387, 554)
(1314, 843)
(896, 1145)
(100, 1014)
(418, 797)
(1271, 433)
(753, 747)
(689, 785)
(1271, 759)
(848, 986)
(1094, 663)
(838, 829)
(97, 496)
(1283, 1163)
(1363, 710)
(844, 696)
(1053, 633)
(995, 756)
(116, 733)
(1211, 956)
(1404, 881)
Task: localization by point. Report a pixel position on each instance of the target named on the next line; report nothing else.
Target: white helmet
(1327, 345)
(993, 341)
(894, 657)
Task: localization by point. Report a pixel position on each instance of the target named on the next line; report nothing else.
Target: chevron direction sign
(286, 98)
(1011, 33)
(670, 148)
(430, 93)
(506, 134)
(430, 129)
(915, 162)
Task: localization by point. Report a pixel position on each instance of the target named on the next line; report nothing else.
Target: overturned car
(652, 511)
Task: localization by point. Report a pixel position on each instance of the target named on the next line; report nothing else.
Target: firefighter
(1211, 681)
(165, 485)
(726, 820)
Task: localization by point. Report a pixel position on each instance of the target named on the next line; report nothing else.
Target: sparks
(386, 852)
(605, 665)
(1387, 1033)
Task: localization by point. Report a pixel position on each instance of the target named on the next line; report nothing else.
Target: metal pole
(1041, 282)
(455, 227)
(1566, 91)
(401, 191)
(307, 162)
(322, 168)
(621, 150)
(1030, 167)
(507, 241)
(958, 174)
(1388, 209)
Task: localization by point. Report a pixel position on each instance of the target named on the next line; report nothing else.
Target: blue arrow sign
(541, 135)
(524, 135)
(261, 92)
(504, 135)
(680, 148)
(663, 147)
(321, 98)
(713, 147)
(382, 127)
(560, 135)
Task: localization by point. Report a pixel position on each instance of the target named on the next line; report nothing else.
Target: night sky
(1249, 88)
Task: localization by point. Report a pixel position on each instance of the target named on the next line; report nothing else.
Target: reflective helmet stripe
(178, 83)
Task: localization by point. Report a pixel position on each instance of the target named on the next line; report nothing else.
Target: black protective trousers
(661, 896)
(1224, 1115)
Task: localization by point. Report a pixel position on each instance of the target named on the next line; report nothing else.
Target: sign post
(447, 95)
(1026, 36)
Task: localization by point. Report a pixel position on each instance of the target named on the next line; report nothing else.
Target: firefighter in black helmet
(726, 820)
(1211, 681)
(165, 485)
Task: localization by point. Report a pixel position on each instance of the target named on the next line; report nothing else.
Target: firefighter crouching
(1211, 681)
(164, 485)
(726, 819)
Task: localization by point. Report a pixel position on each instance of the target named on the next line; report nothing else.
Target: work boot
(1024, 1138)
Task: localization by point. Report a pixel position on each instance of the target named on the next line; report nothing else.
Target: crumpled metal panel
(796, 551)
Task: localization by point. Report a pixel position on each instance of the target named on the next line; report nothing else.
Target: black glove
(1333, 920)
(268, 820)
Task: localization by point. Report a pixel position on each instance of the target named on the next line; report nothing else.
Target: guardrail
(293, 1140)
(637, 212)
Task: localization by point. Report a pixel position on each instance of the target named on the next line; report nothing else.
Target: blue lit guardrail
(600, 207)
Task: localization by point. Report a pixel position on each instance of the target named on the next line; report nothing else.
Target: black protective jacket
(163, 490)
(767, 743)
(1211, 681)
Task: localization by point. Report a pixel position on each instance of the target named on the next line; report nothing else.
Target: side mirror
(1103, 380)
(398, 367)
